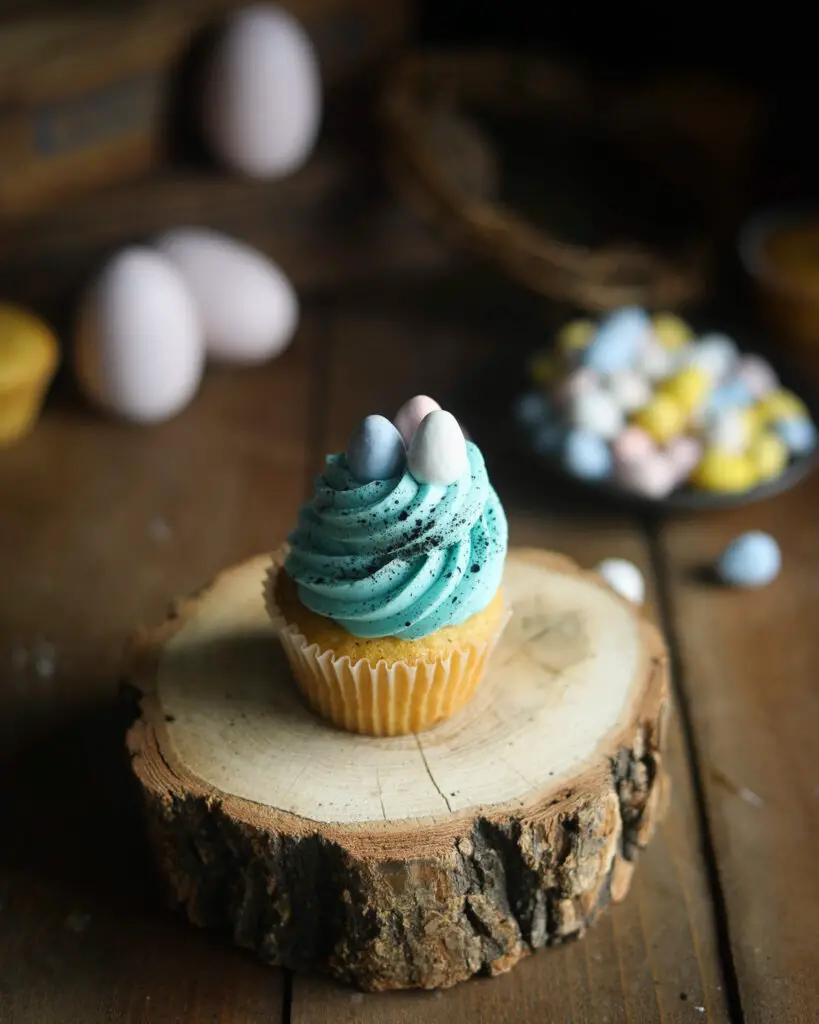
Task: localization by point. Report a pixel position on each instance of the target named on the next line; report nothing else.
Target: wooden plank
(655, 957)
(103, 524)
(749, 665)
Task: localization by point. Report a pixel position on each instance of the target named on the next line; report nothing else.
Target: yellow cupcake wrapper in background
(380, 699)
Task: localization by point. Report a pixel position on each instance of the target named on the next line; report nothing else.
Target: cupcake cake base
(412, 861)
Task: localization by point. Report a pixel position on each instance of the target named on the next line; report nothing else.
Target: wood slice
(412, 861)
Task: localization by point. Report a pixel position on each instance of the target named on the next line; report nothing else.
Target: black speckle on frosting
(475, 568)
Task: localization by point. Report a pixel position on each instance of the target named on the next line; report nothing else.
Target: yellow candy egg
(544, 368)
(781, 404)
(769, 454)
(574, 336)
(671, 331)
(689, 387)
(663, 418)
(724, 472)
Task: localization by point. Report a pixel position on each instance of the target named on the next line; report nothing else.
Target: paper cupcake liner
(381, 699)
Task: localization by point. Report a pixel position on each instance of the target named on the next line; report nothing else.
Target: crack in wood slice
(415, 861)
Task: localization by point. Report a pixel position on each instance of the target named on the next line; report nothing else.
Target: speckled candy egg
(688, 387)
(623, 577)
(655, 363)
(618, 340)
(437, 453)
(530, 409)
(630, 389)
(684, 453)
(757, 375)
(730, 431)
(577, 382)
(375, 450)
(596, 411)
(672, 332)
(731, 393)
(769, 454)
(586, 455)
(663, 418)
(716, 354)
(574, 336)
(781, 404)
(632, 445)
(798, 434)
(724, 472)
(651, 477)
(752, 559)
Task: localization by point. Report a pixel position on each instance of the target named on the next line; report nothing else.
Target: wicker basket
(422, 86)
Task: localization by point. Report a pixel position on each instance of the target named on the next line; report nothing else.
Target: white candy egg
(247, 307)
(655, 362)
(262, 93)
(729, 431)
(139, 351)
(715, 353)
(597, 411)
(624, 577)
(630, 390)
(437, 454)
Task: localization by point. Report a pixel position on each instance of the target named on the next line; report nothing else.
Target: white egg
(138, 350)
(624, 577)
(631, 390)
(247, 307)
(655, 362)
(729, 430)
(715, 353)
(437, 453)
(262, 93)
(597, 411)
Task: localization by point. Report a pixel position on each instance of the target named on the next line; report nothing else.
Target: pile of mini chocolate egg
(645, 402)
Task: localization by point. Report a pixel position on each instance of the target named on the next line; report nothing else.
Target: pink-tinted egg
(684, 453)
(652, 477)
(632, 445)
(409, 416)
(577, 383)
(757, 375)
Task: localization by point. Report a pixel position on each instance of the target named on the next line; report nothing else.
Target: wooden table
(103, 523)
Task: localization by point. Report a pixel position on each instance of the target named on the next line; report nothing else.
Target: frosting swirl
(395, 557)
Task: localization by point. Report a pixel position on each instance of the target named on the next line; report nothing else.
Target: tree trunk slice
(411, 861)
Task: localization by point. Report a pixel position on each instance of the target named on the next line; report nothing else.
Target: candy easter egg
(752, 559)
(632, 445)
(247, 307)
(437, 453)
(618, 340)
(629, 389)
(574, 336)
(798, 434)
(683, 452)
(655, 362)
(757, 375)
(139, 351)
(671, 331)
(651, 477)
(730, 431)
(596, 411)
(586, 455)
(716, 354)
(529, 410)
(624, 577)
(262, 93)
(375, 450)
(578, 381)
(724, 472)
(769, 454)
(663, 418)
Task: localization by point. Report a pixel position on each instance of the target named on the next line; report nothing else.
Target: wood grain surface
(101, 524)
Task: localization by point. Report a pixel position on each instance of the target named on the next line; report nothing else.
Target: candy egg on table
(683, 452)
(650, 477)
(662, 419)
(799, 435)
(623, 577)
(574, 336)
(586, 455)
(724, 472)
(437, 453)
(576, 383)
(672, 332)
(757, 375)
(261, 100)
(375, 450)
(689, 387)
(139, 351)
(632, 444)
(630, 389)
(752, 559)
(596, 410)
(247, 307)
(716, 354)
(655, 362)
(733, 392)
(618, 340)
(769, 454)
(530, 409)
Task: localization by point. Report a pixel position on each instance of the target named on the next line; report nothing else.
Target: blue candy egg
(532, 409)
(586, 455)
(376, 450)
(733, 394)
(799, 435)
(752, 559)
(548, 438)
(615, 344)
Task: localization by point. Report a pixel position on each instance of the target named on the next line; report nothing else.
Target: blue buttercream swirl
(396, 557)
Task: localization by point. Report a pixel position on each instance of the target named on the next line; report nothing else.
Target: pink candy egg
(757, 375)
(632, 445)
(651, 477)
(409, 416)
(683, 453)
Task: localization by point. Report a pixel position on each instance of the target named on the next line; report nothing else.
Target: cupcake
(28, 360)
(388, 601)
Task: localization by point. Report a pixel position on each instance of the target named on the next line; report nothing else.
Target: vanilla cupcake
(388, 603)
